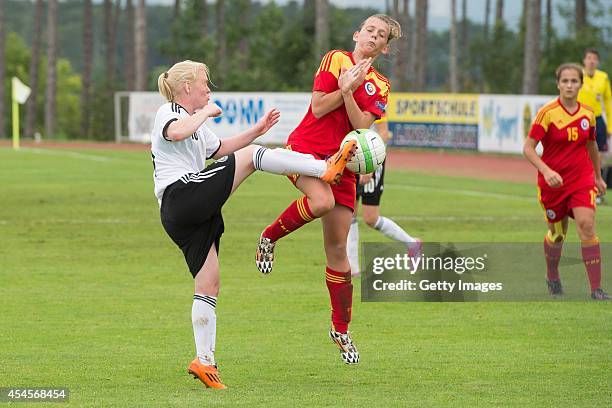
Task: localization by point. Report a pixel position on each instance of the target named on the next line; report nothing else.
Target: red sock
(591, 255)
(552, 252)
(341, 295)
(297, 214)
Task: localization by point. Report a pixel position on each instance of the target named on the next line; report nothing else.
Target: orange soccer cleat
(337, 163)
(208, 374)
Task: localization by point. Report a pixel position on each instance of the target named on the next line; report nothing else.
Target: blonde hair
(395, 30)
(169, 82)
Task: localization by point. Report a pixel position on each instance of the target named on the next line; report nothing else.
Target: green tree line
(268, 47)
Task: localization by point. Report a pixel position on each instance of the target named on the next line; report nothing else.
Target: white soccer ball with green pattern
(370, 153)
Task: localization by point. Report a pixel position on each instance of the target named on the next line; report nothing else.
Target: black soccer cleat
(599, 294)
(554, 287)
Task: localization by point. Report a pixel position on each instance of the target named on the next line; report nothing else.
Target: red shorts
(558, 203)
(345, 192)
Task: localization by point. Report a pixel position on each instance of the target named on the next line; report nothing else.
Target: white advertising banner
(142, 109)
(504, 121)
(241, 110)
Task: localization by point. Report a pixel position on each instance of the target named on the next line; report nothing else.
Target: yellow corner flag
(20, 94)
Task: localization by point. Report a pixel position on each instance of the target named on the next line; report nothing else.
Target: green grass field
(95, 297)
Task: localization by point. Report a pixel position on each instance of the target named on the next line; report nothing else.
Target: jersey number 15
(572, 134)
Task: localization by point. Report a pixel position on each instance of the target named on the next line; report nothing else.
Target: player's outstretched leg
(286, 162)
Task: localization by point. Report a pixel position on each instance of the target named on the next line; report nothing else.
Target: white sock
(352, 247)
(204, 322)
(284, 161)
(392, 230)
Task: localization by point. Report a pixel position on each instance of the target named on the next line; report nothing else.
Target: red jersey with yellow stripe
(564, 136)
(325, 133)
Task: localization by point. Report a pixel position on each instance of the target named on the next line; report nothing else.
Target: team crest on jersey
(370, 88)
(584, 124)
(551, 214)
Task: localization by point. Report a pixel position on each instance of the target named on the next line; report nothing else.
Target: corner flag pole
(15, 118)
(19, 95)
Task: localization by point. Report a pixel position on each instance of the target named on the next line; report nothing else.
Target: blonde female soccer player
(192, 195)
(348, 93)
(568, 176)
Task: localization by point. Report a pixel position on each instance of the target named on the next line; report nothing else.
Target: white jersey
(172, 160)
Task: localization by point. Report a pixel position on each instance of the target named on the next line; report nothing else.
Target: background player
(347, 94)
(568, 176)
(191, 196)
(370, 188)
(595, 93)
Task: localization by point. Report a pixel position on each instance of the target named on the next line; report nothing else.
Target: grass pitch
(95, 297)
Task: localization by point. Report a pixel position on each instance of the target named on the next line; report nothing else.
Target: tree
(243, 44)
(177, 8)
(581, 15)
(128, 59)
(87, 67)
(403, 45)
(203, 9)
(399, 68)
(531, 62)
(35, 62)
(486, 19)
(221, 38)
(109, 39)
(140, 45)
(454, 81)
(51, 89)
(499, 12)
(463, 44)
(549, 28)
(321, 29)
(420, 45)
(2, 68)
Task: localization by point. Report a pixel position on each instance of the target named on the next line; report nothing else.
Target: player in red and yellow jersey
(568, 176)
(348, 93)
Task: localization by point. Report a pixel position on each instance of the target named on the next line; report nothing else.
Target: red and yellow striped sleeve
(326, 77)
(540, 124)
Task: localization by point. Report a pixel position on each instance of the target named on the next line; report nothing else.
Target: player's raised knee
(320, 204)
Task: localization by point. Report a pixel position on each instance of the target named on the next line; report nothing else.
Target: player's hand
(362, 74)
(212, 110)
(365, 178)
(348, 80)
(553, 179)
(601, 186)
(264, 124)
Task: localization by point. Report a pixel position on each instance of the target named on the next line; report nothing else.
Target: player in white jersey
(192, 195)
(369, 189)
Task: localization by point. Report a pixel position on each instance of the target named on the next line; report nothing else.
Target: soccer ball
(370, 152)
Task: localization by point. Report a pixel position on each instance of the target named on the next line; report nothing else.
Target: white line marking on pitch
(472, 193)
(74, 155)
